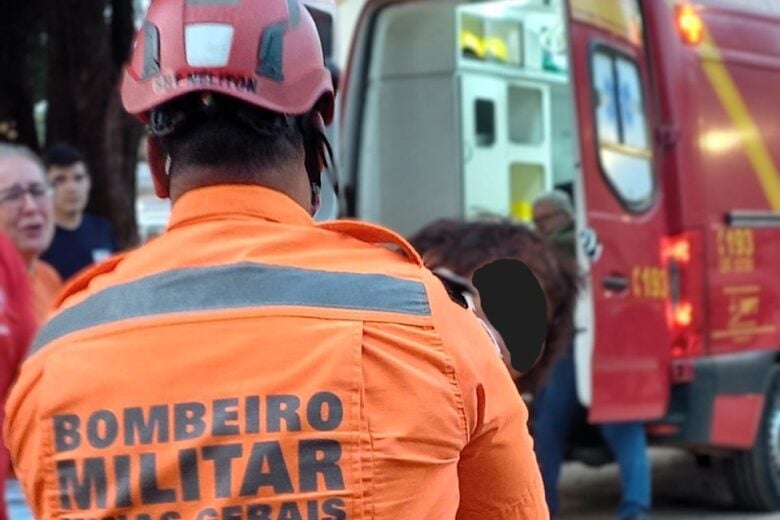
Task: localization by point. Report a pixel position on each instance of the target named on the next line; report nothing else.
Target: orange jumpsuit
(46, 283)
(251, 364)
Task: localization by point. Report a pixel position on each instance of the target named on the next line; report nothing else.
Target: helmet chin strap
(315, 199)
(157, 165)
(318, 153)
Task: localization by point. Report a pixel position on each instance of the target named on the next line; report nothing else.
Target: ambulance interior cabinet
(445, 135)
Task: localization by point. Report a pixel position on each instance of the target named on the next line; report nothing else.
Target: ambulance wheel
(754, 475)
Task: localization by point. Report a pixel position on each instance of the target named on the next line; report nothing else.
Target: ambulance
(662, 119)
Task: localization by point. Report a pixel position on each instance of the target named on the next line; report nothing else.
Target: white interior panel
(414, 39)
(409, 160)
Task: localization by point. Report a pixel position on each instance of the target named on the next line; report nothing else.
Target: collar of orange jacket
(234, 199)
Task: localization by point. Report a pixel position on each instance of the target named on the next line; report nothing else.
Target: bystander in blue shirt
(73, 250)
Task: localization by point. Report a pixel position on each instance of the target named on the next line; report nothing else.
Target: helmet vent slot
(151, 50)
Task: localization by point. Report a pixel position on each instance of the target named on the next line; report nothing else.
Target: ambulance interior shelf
(512, 35)
(521, 43)
(509, 138)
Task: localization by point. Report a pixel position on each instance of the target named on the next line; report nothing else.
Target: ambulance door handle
(615, 283)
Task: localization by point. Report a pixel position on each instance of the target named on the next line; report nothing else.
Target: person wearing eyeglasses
(553, 217)
(26, 221)
(26, 216)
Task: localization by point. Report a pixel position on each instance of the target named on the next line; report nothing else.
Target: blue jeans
(554, 407)
(15, 501)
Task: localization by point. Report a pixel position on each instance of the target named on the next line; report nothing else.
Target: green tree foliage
(70, 53)
(22, 68)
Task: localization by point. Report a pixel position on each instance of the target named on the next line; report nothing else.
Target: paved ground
(681, 491)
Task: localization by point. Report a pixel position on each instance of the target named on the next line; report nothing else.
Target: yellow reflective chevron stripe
(731, 99)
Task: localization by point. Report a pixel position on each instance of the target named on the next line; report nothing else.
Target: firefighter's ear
(514, 303)
(316, 199)
(157, 165)
(318, 124)
(335, 74)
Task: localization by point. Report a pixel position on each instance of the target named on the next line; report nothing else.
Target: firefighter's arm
(498, 473)
(22, 432)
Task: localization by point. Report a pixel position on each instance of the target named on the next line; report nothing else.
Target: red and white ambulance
(663, 120)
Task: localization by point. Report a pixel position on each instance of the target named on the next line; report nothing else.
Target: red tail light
(681, 254)
(683, 314)
(678, 248)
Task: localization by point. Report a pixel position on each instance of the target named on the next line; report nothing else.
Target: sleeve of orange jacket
(498, 473)
(22, 431)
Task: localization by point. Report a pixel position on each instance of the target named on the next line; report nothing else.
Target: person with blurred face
(455, 249)
(26, 216)
(80, 238)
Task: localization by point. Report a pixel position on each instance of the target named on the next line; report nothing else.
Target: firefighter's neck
(290, 179)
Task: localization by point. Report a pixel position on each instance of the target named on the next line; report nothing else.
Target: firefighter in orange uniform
(250, 363)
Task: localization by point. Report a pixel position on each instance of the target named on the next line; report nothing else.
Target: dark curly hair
(463, 247)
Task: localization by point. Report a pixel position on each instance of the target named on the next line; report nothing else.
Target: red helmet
(264, 52)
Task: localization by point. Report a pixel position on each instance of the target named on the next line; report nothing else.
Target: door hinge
(667, 135)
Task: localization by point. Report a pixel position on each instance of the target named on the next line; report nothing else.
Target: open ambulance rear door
(456, 109)
(624, 207)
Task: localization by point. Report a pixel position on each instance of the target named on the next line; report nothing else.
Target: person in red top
(17, 327)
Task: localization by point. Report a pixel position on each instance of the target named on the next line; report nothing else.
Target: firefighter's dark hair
(215, 130)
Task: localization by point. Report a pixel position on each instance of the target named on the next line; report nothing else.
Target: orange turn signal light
(689, 24)
(678, 249)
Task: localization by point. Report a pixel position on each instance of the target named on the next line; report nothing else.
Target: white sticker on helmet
(208, 44)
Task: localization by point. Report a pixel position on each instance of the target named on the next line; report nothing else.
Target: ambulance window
(526, 115)
(621, 128)
(603, 77)
(632, 106)
(485, 121)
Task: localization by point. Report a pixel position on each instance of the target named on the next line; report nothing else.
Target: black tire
(754, 475)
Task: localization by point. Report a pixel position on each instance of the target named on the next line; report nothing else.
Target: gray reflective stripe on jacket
(242, 285)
